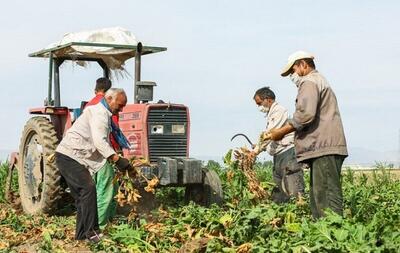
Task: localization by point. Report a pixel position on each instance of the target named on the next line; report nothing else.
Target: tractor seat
(76, 112)
(83, 104)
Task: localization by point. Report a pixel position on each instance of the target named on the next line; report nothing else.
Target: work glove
(264, 136)
(256, 150)
(123, 164)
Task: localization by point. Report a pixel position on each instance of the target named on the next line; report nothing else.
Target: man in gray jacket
(319, 134)
(83, 151)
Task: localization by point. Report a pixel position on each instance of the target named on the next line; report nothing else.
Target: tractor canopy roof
(112, 45)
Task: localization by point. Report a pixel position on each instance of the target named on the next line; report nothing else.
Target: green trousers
(325, 184)
(106, 191)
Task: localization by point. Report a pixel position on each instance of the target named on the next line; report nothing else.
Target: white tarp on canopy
(114, 58)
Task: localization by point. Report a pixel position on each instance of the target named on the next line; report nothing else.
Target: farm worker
(319, 134)
(102, 86)
(105, 188)
(85, 149)
(287, 173)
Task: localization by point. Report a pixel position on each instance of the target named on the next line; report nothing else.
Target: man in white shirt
(83, 151)
(287, 173)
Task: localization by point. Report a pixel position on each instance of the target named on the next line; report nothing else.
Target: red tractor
(157, 131)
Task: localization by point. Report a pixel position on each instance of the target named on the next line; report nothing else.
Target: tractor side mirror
(145, 91)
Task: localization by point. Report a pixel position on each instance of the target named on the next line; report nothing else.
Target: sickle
(240, 134)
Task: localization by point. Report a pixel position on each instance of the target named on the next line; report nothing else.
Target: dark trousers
(83, 190)
(325, 184)
(288, 176)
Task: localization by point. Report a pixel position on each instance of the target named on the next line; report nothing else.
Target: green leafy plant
(371, 221)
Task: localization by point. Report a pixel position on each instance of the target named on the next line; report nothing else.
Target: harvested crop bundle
(246, 159)
(128, 193)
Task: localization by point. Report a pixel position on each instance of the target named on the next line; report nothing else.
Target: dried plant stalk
(127, 193)
(246, 160)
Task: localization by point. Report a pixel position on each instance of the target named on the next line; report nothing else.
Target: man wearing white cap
(319, 134)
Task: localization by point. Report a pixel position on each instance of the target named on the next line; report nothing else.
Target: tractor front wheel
(38, 177)
(208, 193)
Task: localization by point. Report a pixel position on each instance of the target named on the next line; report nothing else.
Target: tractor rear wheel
(38, 176)
(208, 193)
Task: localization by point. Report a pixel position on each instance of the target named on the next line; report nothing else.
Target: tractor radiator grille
(167, 143)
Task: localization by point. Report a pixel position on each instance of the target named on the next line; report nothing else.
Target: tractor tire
(208, 193)
(38, 177)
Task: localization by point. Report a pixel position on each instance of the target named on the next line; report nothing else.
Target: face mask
(296, 79)
(263, 109)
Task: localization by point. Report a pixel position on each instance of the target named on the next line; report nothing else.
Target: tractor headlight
(157, 129)
(178, 129)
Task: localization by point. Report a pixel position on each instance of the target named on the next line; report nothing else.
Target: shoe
(96, 238)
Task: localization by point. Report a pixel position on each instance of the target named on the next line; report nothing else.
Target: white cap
(292, 58)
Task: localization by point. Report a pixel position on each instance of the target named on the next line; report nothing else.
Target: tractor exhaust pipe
(138, 56)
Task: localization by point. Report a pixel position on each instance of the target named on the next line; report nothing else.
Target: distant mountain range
(358, 156)
(368, 157)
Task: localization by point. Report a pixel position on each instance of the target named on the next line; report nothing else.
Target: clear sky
(219, 53)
